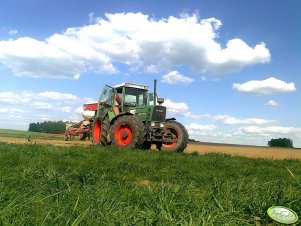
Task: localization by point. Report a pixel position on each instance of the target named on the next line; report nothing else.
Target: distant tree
(33, 127)
(281, 142)
(48, 127)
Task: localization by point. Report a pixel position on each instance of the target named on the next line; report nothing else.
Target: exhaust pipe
(155, 91)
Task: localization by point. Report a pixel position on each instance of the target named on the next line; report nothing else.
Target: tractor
(127, 115)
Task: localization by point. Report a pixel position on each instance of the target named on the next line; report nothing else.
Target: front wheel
(178, 135)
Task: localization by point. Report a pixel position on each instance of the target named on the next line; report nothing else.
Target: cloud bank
(134, 40)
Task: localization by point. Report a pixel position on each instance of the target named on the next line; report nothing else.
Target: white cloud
(45, 117)
(79, 110)
(230, 120)
(65, 109)
(43, 106)
(16, 110)
(200, 127)
(251, 135)
(24, 97)
(57, 105)
(272, 103)
(3, 110)
(265, 87)
(181, 109)
(195, 129)
(190, 115)
(89, 100)
(91, 17)
(16, 98)
(132, 39)
(236, 55)
(175, 77)
(57, 96)
(203, 78)
(270, 130)
(13, 32)
(6, 97)
(151, 69)
(177, 108)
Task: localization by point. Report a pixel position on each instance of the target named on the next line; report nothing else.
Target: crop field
(43, 184)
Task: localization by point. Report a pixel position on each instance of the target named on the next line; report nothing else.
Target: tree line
(48, 127)
(281, 142)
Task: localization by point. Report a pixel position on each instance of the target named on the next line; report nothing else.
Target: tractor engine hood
(159, 113)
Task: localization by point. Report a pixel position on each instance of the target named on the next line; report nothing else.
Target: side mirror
(160, 100)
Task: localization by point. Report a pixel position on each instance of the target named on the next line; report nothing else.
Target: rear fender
(118, 116)
(170, 119)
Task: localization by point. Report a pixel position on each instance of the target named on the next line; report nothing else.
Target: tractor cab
(126, 98)
(131, 95)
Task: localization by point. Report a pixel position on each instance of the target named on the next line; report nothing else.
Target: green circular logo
(282, 215)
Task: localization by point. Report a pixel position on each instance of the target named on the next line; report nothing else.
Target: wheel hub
(124, 134)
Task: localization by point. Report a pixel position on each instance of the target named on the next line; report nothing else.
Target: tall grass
(48, 185)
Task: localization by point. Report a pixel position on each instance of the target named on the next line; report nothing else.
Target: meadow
(51, 185)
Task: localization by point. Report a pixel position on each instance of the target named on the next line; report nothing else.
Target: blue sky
(228, 70)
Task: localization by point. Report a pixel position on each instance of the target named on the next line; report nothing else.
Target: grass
(25, 134)
(48, 185)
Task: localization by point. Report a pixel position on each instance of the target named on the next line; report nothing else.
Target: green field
(48, 185)
(26, 134)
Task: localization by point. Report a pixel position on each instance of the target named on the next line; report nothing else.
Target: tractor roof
(131, 85)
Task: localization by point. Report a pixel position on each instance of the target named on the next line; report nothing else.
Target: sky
(230, 71)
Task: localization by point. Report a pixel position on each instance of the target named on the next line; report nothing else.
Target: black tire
(66, 137)
(142, 135)
(105, 131)
(146, 145)
(127, 132)
(83, 136)
(100, 131)
(178, 131)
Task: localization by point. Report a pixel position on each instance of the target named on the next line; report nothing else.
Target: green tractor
(127, 115)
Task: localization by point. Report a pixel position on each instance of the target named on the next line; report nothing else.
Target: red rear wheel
(123, 135)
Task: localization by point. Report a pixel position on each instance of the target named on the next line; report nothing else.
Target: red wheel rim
(171, 145)
(123, 135)
(96, 131)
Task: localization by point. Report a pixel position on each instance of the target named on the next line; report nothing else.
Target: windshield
(135, 97)
(107, 95)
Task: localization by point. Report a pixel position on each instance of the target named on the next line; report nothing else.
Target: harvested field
(247, 151)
